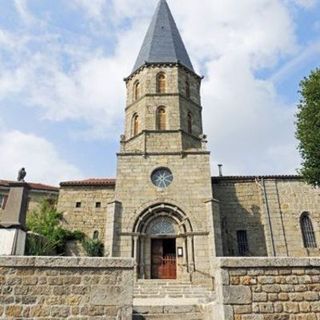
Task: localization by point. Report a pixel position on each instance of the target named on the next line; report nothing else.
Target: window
(190, 123)
(135, 124)
(161, 119)
(187, 89)
(3, 201)
(136, 90)
(308, 235)
(98, 204)
(162, 178)
(78, 204)
(96, 235)
(161, 83)
(162, 225)
(242, 240)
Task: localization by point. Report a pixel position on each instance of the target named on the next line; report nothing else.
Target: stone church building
(164, 208)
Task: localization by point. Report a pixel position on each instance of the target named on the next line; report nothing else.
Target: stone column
(141, 262)
(13, 222)
(112, 229)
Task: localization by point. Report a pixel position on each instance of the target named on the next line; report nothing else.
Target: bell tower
(163, 111)
(163, 209)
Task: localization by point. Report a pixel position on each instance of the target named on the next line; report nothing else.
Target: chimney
(220, 170)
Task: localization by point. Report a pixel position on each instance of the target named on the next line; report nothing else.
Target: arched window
(135, 124)
(308, 235)
(190, 123)
(136, 90)
(161, 83)
(96, 235)
(187, 89)
(161, 118)
(162, 225)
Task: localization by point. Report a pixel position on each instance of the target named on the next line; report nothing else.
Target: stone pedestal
(12, 242)
(13, 222)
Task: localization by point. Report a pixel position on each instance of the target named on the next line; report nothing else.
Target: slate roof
(163, 42)
(34, 186)
(89, 183)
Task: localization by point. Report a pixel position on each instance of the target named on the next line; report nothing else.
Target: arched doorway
(163, 247)
(163, 232)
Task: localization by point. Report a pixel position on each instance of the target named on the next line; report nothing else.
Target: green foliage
(46, 221)
(308, 127)
(37, 245)
(93, 247)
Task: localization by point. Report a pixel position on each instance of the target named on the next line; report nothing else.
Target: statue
(21, 175)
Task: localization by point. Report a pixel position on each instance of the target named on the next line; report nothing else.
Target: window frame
(136, 90)
(187, 88)
(135, 124)
(161, 118)
(242, 243)
(307, 231)
(161, 83)
(190, 123)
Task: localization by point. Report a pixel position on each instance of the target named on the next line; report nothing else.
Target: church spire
(163, 42)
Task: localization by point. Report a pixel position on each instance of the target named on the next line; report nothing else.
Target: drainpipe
(263, 187)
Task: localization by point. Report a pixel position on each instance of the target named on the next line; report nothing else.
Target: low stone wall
(66, 288)
(268, 288)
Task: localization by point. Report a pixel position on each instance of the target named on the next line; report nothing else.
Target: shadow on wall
(241, 222)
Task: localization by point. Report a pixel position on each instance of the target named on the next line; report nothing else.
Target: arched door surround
(160, 230)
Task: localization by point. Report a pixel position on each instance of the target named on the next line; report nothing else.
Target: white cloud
(37, 155)
(308, 53)
(306, 3)
(25, 14)
(92, 8)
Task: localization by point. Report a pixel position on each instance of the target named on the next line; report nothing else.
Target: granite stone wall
(66, 288)
(89, 217)
(268, 288)
(269, 209)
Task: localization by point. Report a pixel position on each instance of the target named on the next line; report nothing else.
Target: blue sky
(62, 95)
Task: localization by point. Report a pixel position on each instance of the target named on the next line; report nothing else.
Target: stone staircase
(174, 300)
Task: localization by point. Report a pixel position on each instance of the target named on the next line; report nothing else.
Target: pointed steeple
(163, 42)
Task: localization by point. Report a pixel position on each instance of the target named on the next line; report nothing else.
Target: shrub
(93, 247)
(51, 237)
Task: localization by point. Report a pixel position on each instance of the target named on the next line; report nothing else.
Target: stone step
(189, 316)
(172, 312)
(191, 293)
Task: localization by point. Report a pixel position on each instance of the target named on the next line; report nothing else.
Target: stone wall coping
(266, 262)
(66, 262)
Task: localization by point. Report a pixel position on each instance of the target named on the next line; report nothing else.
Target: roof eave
(162, 64)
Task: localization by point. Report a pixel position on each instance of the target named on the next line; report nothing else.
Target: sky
(62, 95)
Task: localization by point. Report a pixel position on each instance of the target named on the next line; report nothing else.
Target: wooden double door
(163, 259)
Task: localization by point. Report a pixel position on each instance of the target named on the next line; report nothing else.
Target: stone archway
(163, 233)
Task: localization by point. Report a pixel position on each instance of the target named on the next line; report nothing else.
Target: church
(164, 208)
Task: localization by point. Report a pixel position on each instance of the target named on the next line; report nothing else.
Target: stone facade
(84, 208)
(267, 289)
(66, 288)
(37, 193)
(269, 209)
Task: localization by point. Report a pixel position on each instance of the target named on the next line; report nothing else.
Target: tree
(308, 127)
(48, 237)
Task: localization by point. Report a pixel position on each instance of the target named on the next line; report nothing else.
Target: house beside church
(164, 208)
(38, 192)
